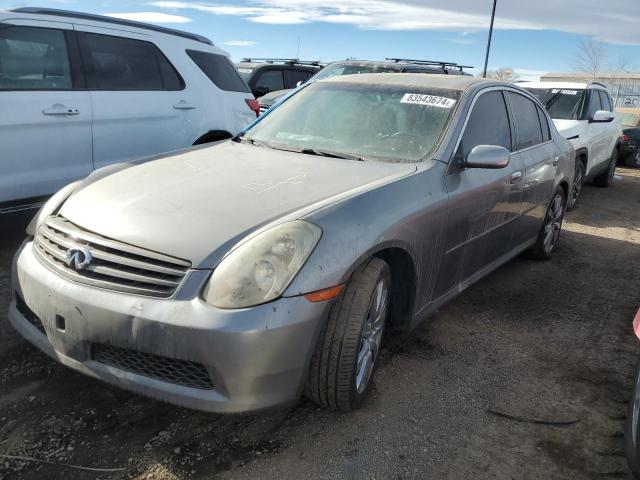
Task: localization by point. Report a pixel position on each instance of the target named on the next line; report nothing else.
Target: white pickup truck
(583, 114)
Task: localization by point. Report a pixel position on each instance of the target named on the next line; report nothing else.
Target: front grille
(171, 370)
(114, 265)
(27, 313)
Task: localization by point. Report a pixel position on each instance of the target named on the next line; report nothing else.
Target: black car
(350, 67)
(630, 146)
(264, 75)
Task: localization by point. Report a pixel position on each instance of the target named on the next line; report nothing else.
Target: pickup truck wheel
(341, 370)
(605, 178)
(550, 230)
(578, 181)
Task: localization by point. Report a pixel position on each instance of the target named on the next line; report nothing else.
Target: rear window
(220, 71)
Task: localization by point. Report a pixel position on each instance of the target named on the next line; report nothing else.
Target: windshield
(336, 69)
(561, 103)
(629, 119)
(360, 121)
(245, 74)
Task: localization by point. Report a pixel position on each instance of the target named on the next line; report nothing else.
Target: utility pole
(486, 58)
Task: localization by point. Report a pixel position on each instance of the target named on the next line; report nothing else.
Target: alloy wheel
(577, 184)
(371, 335)
(553, 223)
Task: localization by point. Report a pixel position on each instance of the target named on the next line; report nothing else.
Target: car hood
(272, 97)
(198, 204)
(568, 128)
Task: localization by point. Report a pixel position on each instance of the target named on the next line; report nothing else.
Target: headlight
(260, 269)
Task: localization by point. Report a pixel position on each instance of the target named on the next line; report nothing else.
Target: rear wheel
(342, 367)
(578, 181)
(633, 160)
(605, 178)
(550, 230)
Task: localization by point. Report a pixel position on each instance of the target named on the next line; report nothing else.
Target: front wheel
(578, 181)
(342, 366)
(606, 178)
(550, 230)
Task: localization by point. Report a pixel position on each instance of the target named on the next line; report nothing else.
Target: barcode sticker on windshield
(434, 101)
(565, 92)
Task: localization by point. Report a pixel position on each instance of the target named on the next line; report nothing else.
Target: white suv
(81, 91)
(583, 114)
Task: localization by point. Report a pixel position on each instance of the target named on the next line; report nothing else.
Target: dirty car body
(154, 278)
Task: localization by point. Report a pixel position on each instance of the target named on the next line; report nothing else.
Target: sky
(531, 36)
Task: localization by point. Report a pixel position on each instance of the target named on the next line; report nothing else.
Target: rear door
(483, 203)
(535, 150)
(45, 113)
(140, 103)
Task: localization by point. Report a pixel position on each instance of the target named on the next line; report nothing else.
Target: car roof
(111, 20)
(451, 82)
(396, 65)
(569, 85)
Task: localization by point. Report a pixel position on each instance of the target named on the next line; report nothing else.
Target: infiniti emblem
(79, 258)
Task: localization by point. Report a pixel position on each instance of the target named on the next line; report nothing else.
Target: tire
(354, 330)
(633, 160)
(578, 182)
(632, 430)
(605, 178)
(551, 227)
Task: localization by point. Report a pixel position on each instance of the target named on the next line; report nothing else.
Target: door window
(526, 120)
(488, 124)
(270, 80)
(594, 103)
(604, 101)
(546, 131)
(220, 71)
(296, 76)
(34, 58)
(116, 63)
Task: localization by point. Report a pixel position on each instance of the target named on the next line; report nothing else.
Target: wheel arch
(582, 155)
(213, 136)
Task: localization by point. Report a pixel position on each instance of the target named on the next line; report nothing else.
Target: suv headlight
(260, 269)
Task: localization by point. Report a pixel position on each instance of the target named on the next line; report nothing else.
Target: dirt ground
(526, 375)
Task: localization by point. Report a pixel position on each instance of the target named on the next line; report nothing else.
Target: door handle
(516, 177)
(182, 105)
(59, 109)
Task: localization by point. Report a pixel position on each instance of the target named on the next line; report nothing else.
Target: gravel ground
(526, 375)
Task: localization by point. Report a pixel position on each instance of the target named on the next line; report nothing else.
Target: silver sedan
(241, 275)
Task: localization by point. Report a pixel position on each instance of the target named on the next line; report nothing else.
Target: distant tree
(505, 74)
(590, 59)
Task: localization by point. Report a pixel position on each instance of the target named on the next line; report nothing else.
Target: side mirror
(602, 116)
(487, 156)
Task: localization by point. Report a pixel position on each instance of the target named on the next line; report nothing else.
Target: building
(624, 87)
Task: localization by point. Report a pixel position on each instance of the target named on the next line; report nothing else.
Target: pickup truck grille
(112, 265)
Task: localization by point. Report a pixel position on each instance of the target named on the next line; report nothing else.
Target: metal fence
(626, 95)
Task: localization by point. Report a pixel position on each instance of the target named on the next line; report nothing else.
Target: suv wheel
(605, 178)
(578, 181)
(342, 367)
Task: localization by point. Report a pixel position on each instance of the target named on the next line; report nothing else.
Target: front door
(140, 104)
(483, 203)
(45, 115)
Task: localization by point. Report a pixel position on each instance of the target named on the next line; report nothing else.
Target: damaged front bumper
(181, 351)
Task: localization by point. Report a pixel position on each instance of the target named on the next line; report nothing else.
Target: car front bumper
(254, 358)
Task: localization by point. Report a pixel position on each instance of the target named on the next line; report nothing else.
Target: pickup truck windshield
(561, 103)
(359, 120)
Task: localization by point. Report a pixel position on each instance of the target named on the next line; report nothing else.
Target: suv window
(604, 101)
(270, 80)
(594, 103)
(298, 76)
(488, 124)
(220, 71)
(546, 131)
(527, 122)
(34, 58)
(116, 63)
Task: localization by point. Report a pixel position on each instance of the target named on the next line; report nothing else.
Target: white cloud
(605, 24)
(239, 43)
(150, 17)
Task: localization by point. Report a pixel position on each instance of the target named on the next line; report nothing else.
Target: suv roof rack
(437, 63)
(117, 21)
(290, 61)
